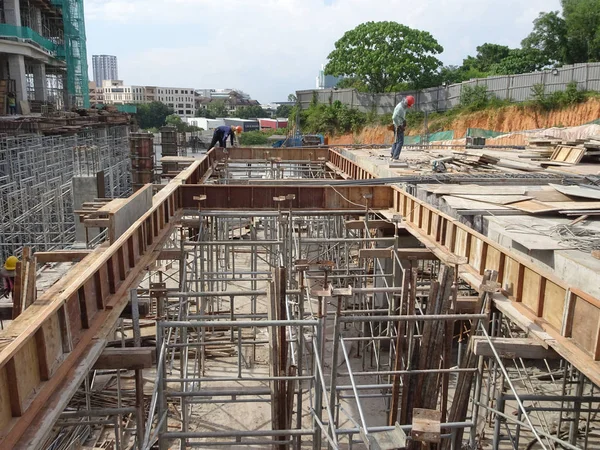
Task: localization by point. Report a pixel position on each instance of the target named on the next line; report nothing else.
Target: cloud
(270, 48)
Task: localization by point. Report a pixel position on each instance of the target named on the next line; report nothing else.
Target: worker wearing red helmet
(399, 118)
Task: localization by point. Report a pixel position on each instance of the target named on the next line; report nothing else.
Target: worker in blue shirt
(399, 118)
(222, 133)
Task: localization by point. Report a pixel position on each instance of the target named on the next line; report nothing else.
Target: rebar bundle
(36, 198)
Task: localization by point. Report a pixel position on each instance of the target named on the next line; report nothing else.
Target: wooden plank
(495, 199)
(375, 253)
(128, 358)
(577, 191)
(512, 348)
(533, 206)
(169, 254)
(373, 224)
(462, 189)
(61, 256)
(426, 425)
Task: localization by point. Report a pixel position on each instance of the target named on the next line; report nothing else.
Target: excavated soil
(508, 119)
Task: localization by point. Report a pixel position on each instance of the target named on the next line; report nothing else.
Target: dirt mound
(507, 119)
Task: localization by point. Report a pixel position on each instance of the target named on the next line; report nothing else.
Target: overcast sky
(271, 48)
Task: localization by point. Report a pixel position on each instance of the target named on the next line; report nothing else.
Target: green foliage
(283, 111)
(520, 60)
(582, 20)
(254, 138)
(556, 100)
(331, 119)
(487, 56)
(473, 98)
(353, 83)
(207, 113)
(252, 112)
(292, 98)
(182, 127)
(549, 36)
(152, 115)
(384, 54)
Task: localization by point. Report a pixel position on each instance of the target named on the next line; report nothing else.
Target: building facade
(105, 68)
(35, 61)
(115, 92)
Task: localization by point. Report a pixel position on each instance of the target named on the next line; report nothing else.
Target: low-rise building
(115, 92)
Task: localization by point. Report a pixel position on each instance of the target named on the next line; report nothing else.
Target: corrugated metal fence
(517, 88)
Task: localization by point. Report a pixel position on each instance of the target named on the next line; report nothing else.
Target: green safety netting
(441, 136)
(481, 133)
(26, 33)
(593, 122)
(412, 140)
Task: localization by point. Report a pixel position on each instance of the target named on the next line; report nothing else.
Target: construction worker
(399, 119)
(222, 133)
(7, 273)
(12, 103)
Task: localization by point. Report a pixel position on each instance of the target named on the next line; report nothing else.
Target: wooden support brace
(512, 348)
(61, 256)
(128, 358)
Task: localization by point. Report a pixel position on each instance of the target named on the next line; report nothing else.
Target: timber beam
(512, 348)
(127, 358)
(237, 197)
(61, 256)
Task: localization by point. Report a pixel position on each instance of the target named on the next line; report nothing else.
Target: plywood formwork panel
(5, 409)
(531, 290)
(554, 304)
(585, 325)
(50, 344)
(26, 379)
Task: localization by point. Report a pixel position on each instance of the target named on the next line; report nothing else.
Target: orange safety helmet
(410, 100)
(237, 129)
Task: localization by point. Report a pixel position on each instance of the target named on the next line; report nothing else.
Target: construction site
(167, 297)
(308, 297)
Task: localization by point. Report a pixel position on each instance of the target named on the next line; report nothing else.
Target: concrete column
(37, 21)
(85, 189)
(39, 82)
(16, 69)
(12, 12)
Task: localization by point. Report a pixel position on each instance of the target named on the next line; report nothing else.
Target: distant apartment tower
(326, 81)
(105, 68)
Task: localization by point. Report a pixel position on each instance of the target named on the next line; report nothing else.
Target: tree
(252, 112)
(582, 20)
(384, 54)
(218, 109)
(205, 112)
(487, 55)
(353, 83)
(152, 115)
(520, 60)
(292, 98)
(549, 36)
(283, 111)
(175, 121)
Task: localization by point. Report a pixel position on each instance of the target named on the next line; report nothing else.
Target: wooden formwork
(539, 296)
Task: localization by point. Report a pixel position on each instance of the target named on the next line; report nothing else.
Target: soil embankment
(506, 119)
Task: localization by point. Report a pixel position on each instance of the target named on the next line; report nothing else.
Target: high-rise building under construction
(43, 57)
